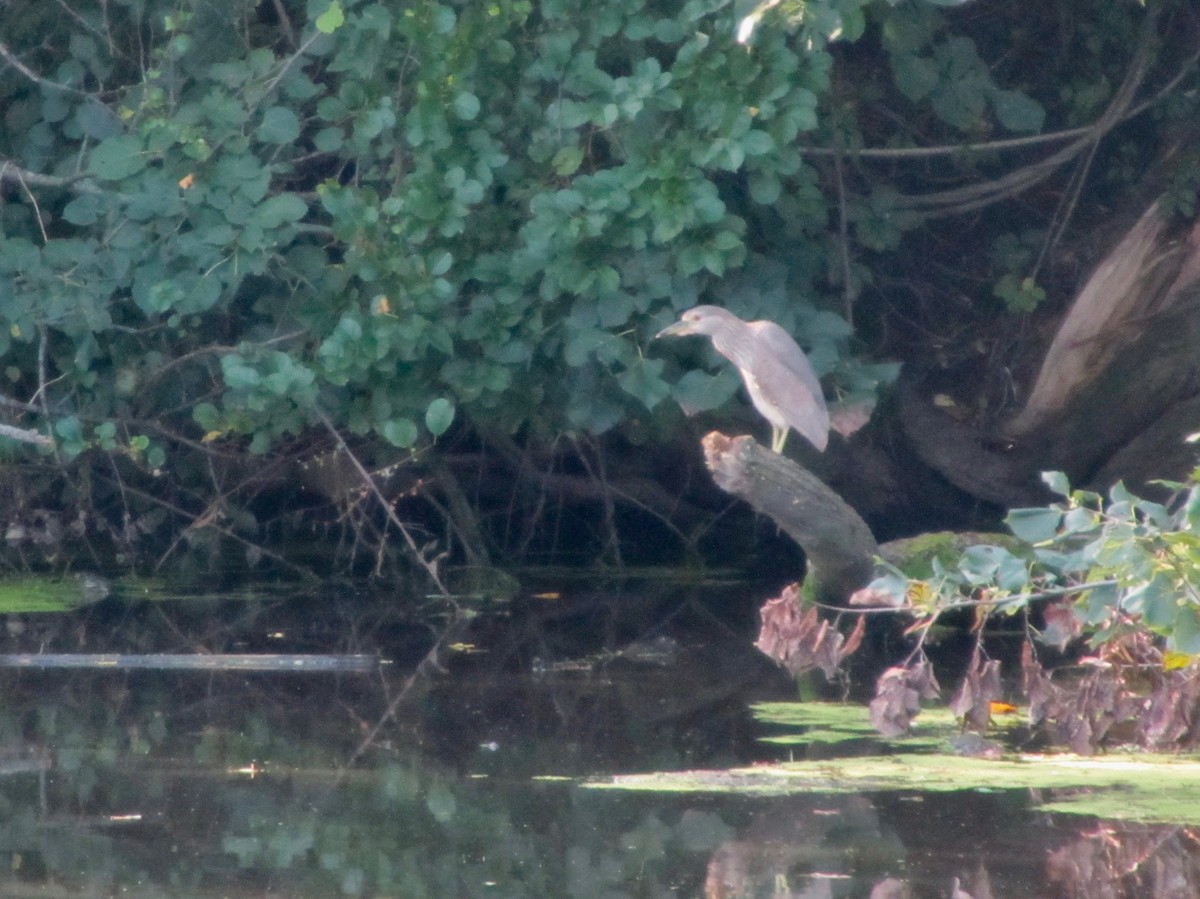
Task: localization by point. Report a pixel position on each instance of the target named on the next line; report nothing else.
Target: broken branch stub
(837, 543)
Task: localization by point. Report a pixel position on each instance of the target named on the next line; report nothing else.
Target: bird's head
(699, 320)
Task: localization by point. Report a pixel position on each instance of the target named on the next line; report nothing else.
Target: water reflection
(151, 783)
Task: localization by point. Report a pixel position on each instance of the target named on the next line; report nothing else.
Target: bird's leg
(778, 438)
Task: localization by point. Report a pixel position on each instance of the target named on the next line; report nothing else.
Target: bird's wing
(787, 380)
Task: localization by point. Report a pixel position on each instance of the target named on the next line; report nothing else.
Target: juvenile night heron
(779, 377)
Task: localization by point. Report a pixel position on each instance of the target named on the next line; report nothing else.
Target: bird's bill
(676, 330)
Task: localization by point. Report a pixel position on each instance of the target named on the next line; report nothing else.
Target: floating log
(291, 664)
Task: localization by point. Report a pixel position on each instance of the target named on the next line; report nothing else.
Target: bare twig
(285, 23)
(33, 76)
(599, 475)
(1112, 116)
(289, 62)
(37, 210)
(844, 240)
(994, 146)
(10, 171)
(429, 565)
(23, 435)
(41, 397)
(10, 403)
(84, 23)
(1083, 140)
(428, 665)
(206, 520)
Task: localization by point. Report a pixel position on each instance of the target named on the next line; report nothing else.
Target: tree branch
(23, 435)
(11, 172)
(33, 76)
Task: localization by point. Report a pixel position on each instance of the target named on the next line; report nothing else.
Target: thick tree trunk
(837, 543)
(1139, 280)
(1117, 393)
(1118, 389)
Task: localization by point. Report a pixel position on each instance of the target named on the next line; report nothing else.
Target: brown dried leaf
(898, 695)
(1170, 711)
(923, 681)
(1060, 624)
(801, 640)
(1045, 699)
(979, 688)
(854, 640)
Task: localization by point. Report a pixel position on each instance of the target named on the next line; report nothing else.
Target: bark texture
(837, 543)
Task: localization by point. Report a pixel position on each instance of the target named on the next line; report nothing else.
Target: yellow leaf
(1173, 661)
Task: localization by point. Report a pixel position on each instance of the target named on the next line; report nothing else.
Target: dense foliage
(389, 213)
(1115, 561)
(226, 225)
(1114, 579)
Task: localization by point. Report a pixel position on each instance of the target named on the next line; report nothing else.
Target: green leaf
(1156, 601)
(466, 106)
(97, 121)
(156, 457)
(207, 416)
(567, 161)
(764, 188)
(401, 432)
(117, 158)
(1057, 482)
(1186, 637)
(1034, 525)
(441, 264)
(85, 209)
(1018, 112)
(280, 125)
(439, 416)
(1191, 510)
(757, 143)
(699, 391)
(279, 210)
(329, 140)
(644, 381)
(443, 19)
(963, 83)
(915, 75)
(332, 19)
(69, 429)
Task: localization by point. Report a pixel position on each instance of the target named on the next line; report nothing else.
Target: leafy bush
(387, 213)
(1121, 573)
(225, 223)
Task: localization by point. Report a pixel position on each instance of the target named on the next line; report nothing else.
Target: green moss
(36, 594)
(1135, 787)
(1128, 786)
(914, 555)
(810, 723)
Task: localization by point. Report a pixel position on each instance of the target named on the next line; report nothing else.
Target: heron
(777, 374)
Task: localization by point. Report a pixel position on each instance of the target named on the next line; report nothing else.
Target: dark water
(470, 779)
